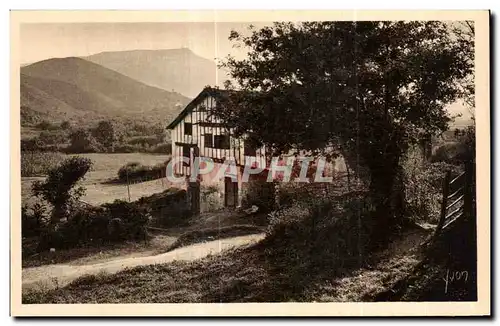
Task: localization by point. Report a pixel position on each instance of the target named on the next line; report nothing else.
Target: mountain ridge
(179, 70)
(74, 88)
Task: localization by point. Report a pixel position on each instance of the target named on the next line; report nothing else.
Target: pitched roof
(207, 91)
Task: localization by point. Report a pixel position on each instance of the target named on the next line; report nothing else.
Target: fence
(458, 198)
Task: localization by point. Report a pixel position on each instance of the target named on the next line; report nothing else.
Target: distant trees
(106, 134)
(52, 138)
(46, 125)
(65, 125)
(82, 141)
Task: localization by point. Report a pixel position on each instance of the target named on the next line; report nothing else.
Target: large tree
(367, 90)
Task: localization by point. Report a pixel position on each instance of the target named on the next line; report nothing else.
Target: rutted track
(62, 274)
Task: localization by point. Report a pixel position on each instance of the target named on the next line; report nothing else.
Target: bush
(423, 189)
(94, 226)
(127, 221)
(46, 125)
(168, 208)
(448, 153)
(52, 137)
(143, 141)
(33, 220)
(260, 193)
(31, 145)
(135, 171)
(125, 148)
(210, 199)
(165, 148)
(327, 237)
(39, 163)
(61, 188)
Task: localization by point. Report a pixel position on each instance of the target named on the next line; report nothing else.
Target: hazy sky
(209, 40)
(50, 40)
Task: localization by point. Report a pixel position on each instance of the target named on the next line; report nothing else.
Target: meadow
(99, 181)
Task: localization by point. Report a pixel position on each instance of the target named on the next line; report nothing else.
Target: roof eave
(205, 92)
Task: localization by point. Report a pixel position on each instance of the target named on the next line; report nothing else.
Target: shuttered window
(209, 140)
(249, 149)
(221, 141)
(188, 128)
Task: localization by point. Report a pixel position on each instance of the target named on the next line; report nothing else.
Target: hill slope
(177, 69)
(76, 89)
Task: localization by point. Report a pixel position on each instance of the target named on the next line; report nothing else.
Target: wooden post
(348, 179)
(128, 187)
(470, 215)
(469, 191)
(444, 203)
(194, 186)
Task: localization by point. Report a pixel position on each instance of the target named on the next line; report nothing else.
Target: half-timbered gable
(196, 127)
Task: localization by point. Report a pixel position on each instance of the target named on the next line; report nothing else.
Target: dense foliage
(60, 188)
(366, 90)
(135, 171)
(119, 221)
(34, 163)
(107, 136)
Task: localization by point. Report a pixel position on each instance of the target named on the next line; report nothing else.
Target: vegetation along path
(61, 274)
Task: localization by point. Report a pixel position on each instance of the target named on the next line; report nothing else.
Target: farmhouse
(197, 133)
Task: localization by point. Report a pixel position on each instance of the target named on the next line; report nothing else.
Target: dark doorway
(230, 192)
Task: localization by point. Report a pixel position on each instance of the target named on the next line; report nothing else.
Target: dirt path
(61, 274)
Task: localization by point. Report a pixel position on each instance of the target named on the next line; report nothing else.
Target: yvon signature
(454, 276)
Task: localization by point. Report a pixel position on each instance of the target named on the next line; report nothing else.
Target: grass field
(246, 274)
(106, 168)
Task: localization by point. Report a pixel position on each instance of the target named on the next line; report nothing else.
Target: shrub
(164, 148)
(168, 208)
(93, 226)
(423, 189)
(33, 219)
(210, 198)
(65, 125)
(326, 237)
(144, 141)
(52, 137)
(125, 148)
(60, 188)
(448, 153)
(46, 125)
(127, 221)
(31, 145)
(260, 193)
(135, 171)
(39, 163)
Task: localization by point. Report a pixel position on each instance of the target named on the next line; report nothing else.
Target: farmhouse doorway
(230, 192)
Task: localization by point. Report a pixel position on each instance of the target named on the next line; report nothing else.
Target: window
(221, 141)
(186, 152)
(209, 140)
(188, 128)
(249, 149)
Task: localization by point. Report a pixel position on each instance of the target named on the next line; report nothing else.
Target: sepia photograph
(180, 162)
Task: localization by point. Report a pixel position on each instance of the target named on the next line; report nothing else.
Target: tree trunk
(387, 194)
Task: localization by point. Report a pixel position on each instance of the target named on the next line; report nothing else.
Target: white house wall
(199, 115)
